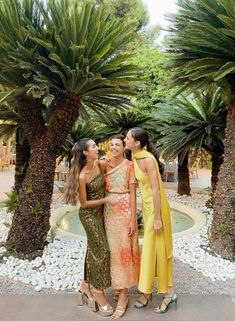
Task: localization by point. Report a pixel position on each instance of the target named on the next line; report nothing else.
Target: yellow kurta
(156, 257)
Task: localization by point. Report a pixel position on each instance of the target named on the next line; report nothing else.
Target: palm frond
(192, 122)
(66, 46)
(120, 122)
(202, 42)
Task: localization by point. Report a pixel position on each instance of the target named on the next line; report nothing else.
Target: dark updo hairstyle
(119, 136)
(142, 136)
(77, 163)
(127, 152)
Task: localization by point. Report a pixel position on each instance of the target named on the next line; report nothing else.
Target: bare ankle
(100, 297)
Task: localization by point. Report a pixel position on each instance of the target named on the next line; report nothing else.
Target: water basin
(70, 222)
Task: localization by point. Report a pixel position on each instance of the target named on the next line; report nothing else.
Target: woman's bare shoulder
(82, 177)
(149, 162)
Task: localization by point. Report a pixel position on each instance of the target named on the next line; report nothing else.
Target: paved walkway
(6, 182)
(63, 307)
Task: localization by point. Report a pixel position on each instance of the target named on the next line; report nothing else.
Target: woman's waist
(145, 185)
(146, 194)
(95, 196)
(118, 192)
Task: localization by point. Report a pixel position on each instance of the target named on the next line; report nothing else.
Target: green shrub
(11, 201)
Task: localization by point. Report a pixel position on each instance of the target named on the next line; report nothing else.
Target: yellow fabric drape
(156, 258)
(164, 205)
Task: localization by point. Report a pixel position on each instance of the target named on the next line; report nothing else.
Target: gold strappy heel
(84, 299)
(120, 310)
(104, 310)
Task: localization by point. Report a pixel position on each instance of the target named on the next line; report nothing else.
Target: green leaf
(225, 70)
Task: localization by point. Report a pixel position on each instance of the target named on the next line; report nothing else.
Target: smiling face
(131, 143)
(92, 150)
(116, 147)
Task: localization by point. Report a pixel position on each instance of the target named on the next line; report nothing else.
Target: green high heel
(164, 306)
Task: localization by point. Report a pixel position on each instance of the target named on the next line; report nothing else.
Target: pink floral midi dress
(124, 250)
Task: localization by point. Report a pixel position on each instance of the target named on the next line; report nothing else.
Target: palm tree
(80, 129)
(101, 127)
(120, 121)
(67, 56)
(190, 123)
(202, 45)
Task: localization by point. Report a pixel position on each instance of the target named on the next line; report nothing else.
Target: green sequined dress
(97, 262)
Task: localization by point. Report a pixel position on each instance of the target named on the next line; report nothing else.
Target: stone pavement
(63, 307)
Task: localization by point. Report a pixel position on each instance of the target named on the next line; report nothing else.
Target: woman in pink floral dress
(121, 223)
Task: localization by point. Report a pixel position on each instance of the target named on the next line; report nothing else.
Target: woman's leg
(85, 296)
(101, 304)
(85, 289)
(121, 304)
(169, 298)
(148, 265)
(143, 300)
(100, 297)
(164, 274)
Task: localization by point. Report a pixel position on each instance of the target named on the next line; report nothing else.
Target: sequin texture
(97, 262)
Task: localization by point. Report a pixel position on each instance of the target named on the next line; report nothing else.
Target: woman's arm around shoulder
(103, 165)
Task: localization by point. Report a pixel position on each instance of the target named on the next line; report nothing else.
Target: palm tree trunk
(222, 239)
(8, 145)
(30, 224)
(217, 157)
(22, 161)
(217, 160)
(183, 176)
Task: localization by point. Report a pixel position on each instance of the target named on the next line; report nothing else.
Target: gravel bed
(183, 284)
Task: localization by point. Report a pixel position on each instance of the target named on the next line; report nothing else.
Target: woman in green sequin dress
(97, 263)
(86, 182)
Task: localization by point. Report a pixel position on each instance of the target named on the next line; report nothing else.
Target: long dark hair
(77, 163)
(142, 136)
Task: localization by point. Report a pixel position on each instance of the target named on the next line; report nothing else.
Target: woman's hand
(111, 200)
(105, 158)
(157, 224)
(132, 228)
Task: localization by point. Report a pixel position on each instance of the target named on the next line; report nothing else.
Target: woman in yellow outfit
(156, 258)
